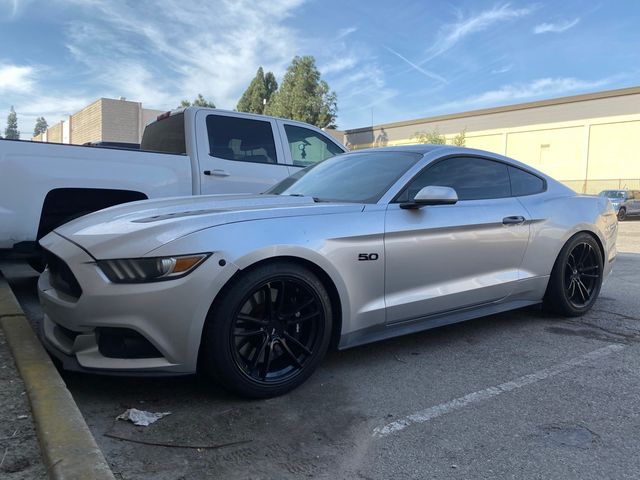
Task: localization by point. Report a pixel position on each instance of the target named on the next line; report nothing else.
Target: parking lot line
(481, 395)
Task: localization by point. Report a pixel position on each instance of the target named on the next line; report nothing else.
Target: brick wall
(54, 133)
(86, 125)
(120, 122)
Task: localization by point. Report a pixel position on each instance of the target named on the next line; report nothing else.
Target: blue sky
(388, 61)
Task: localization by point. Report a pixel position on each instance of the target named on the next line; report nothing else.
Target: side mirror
(432, 195)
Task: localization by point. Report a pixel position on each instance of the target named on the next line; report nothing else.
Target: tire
(622, 214)
(576, 277)
(258, 348)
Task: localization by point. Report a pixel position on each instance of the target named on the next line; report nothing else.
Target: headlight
(140, 270)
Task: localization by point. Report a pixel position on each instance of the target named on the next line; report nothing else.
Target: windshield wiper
(315, 199)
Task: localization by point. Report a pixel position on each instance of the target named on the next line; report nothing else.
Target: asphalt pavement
(517, 395)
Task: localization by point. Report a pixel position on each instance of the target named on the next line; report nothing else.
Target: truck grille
(62, 278)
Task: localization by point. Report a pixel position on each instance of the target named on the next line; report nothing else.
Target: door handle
(216, 173)
(513, 220)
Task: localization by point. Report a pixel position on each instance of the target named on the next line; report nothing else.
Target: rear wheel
(576, 277)
(269, 331)
(622, 214)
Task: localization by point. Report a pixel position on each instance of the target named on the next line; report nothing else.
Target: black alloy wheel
(576, 278)
(269, 330)
(276, 330)
(582, 275)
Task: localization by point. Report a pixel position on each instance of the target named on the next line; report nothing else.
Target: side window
(308, 147)
(243, 139)
(472, 179)
(524, 183)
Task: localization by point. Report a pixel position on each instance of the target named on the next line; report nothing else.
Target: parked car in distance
(625, 202)
(103, 144)
(192, 151)
(361, 247)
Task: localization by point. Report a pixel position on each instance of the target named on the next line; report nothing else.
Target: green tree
(12, 132)
(199, 101)
(41, 126)
(258, 93)
(433, 137)
(304, 96)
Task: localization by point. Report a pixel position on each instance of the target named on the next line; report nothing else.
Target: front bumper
(169, 315)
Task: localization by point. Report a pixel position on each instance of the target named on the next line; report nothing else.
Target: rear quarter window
(166, 135)
(524, 183)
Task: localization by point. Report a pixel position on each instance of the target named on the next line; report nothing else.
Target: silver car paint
(443, 263)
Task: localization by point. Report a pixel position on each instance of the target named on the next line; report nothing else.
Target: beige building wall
(86, 125)
(589, 142)
(54, 133)
(105, 119)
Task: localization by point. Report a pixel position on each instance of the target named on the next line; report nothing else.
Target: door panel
(441, 258)
(238, 154)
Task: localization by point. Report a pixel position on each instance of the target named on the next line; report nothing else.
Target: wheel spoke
(295, 320)
(267, 361)
(290, 353)
(248, 318)
(266, 290)
(251, 333)
(582, 294)
(590, 275)
(588, 269)
(296, 342)
(258, 354)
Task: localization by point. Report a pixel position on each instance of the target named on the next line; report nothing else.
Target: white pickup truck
(194, 151)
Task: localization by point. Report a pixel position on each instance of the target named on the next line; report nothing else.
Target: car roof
(419, 148)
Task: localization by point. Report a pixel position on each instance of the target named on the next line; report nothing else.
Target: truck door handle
(513, 220)
(216, 173)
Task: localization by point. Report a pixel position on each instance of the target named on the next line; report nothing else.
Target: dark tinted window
(241, 139)
(524, 183)
(471, 178)
(309, 147)
(166, 135)
(355, 177)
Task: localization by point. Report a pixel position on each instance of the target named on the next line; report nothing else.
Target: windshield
(353, 177)
(614, 193)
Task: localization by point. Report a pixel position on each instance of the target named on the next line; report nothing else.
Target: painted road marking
(481, 395)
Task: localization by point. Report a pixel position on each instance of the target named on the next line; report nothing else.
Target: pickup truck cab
(192, 151)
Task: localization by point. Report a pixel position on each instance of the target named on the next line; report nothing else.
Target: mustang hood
(134, 229)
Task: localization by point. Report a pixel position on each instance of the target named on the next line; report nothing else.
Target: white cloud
(423, 71)
(14, 8)
(453, 33)
(170, 52)
(517, 92)
(505, 69)
(344, 32)
(558, 27)
(338, 65)
(17, 79)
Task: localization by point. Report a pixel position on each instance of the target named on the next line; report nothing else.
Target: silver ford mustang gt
(363, 246)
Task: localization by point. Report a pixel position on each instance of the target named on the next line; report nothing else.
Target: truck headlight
(140, 270)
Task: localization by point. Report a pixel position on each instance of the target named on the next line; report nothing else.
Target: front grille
(62, 278)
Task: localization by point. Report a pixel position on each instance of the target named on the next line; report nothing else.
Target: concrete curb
(68, 449)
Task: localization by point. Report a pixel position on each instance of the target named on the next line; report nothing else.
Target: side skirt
(374, 334)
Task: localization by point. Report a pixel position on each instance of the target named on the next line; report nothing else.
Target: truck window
(242, 139)
(165, 135)
(309, 147)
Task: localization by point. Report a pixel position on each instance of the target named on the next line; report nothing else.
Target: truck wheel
(269, 331)
(576, 277)
(622, 214)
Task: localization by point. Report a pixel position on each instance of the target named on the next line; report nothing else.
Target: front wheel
(269, 331)
(576, 277)
(622, 214)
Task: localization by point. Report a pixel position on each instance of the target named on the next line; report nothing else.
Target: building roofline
(506, 108)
